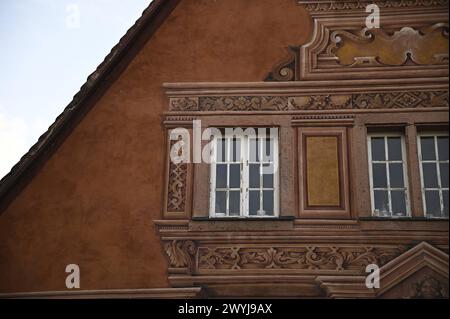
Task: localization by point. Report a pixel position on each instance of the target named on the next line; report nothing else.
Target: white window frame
(245, 172)
(389, 189)
(422, 178)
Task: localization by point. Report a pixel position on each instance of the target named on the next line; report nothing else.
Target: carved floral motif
(244, 103)
(183, 104)
(396, 100)
(299, 258)
(176, 193)
(180, 253)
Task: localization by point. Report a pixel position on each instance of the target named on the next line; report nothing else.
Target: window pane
(235, 203)
(444, 175)
(236, 150)
(254, 176)
(268, 176)
(433, 203)
(378, 149)
(221, 175)
(221, 203)
(443, 148)
(445, 195)
(268, 203)
(235, 176)
(253, 203)
(382, 202)
(396, 175)
(221, 151)
(379, 176)
(254, 150)
(428, 149)
(430, 175)
(395, 148)
(398, 203)
(268, 150)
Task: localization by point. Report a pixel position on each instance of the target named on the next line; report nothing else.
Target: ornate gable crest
(342, 48)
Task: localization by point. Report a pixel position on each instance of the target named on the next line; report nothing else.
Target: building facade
(329, 158)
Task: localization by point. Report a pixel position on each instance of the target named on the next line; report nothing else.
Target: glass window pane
(382, 203)
(236, 150)
(398, 203)
(235, 176)
(443, 148)
(445, 197)
(430, 175)
(378, 149)
(254, 203)
(268, 176)
(428, 149)
(444, 175)
(396, 175)
(221, 203)
(268, 203)
(433, 203)
(395, 148)
(221, 150)
(221, 175)
(379, 176)
(255, 175)
(268, 150)
(254, 150)
(235, 203)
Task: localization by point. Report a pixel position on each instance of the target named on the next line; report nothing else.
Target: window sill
(242, 224)
(404, 219)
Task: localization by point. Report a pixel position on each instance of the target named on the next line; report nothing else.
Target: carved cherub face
(429, 288)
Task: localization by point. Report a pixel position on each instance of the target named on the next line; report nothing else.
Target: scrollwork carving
(299, 258)
(183, 104)
(176, 192)
(428, 46)
(244, 103)
(180, 254)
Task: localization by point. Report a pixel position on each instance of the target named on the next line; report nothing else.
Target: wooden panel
(322, 171)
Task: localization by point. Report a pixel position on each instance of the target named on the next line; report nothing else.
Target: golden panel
(322, 171)
(428, 46)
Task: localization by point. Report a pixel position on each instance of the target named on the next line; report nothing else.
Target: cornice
(323, 6)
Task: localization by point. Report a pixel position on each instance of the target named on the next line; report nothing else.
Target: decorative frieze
(360, 101)
(339, 5)
(244, 103)
(400, 100)
(311, 258)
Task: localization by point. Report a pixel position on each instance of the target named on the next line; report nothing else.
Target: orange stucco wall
(94, 201)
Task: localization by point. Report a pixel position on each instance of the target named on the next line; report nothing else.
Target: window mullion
(438, 170)
(388, 175)
(245, 176)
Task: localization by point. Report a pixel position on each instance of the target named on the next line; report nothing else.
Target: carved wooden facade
(338, 85)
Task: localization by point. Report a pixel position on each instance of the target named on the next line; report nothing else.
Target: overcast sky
(48, 49)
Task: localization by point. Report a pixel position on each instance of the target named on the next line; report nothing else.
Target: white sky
(48, 49)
